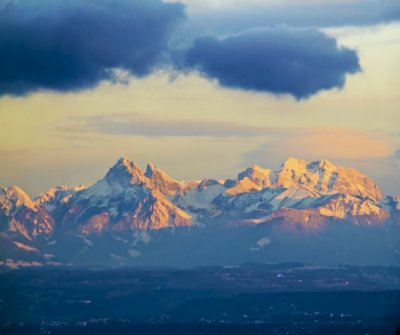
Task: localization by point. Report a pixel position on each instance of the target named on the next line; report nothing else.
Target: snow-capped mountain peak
(162, 181)
(18, 197)
(127, 203)
(325, 164)
(126, 172)
(257, 174)
(294, 164)
(324, 177)
(24, 216)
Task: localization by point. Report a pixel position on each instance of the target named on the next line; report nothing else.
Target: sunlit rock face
(128, 199)
(323, 176)
(21, 215)
(125, 199)
(129, 206)
(258, 175)
(334, 208)
(163, 182)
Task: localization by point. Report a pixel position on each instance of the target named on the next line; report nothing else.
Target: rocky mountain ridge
(300, 196)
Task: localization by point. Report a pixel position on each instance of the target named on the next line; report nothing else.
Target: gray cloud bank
(71, 45)
(280, 60)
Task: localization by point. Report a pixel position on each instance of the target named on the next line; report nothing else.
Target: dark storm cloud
(280, 60)
(68, 45)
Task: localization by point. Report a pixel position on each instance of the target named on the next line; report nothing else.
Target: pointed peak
(257, 175)
(161, 180)
(127, 163)
(151, 169)
(254, 167)
(124, 161)
(152, 166)
(126, 170)
(16, 189)
(325, 164)
(19, 196)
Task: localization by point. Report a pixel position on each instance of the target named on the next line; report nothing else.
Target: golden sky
(193, 128)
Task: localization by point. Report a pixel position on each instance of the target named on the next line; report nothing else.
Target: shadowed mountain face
(311, 212)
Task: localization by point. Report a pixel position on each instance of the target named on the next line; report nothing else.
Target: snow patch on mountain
(129, 212)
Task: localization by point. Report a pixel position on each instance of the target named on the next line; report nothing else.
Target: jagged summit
(325, 164)
(127, 163)
(126, 172)
(325, 177)
(254, 178)
(296, 183)
(322, 164)
(124, 160)
(152, 167)
(161, 180)
(152, 170)
(18, 197)
(128, 208)
(318, 176)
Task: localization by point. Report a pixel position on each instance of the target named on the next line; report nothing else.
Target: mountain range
(317, 213)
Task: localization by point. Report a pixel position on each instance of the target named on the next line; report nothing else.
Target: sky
(201, 88)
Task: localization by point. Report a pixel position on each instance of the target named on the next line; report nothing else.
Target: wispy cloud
(330, 143)
(279, 142)
(140, 125)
